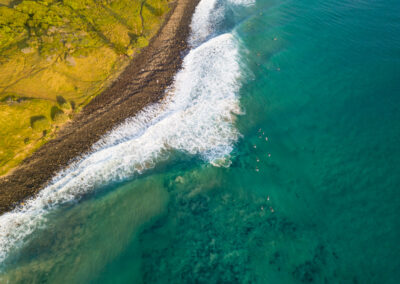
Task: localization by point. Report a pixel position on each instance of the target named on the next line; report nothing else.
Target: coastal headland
(143, 82)
(56, 56)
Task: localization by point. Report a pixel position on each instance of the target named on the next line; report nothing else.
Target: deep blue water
(311, 194)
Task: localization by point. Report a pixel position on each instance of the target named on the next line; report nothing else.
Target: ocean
(274, 158)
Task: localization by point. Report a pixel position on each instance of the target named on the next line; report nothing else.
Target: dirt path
(143, 82)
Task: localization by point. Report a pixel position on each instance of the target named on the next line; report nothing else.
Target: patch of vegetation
(40, 123)
(56, 55)
(57, 115)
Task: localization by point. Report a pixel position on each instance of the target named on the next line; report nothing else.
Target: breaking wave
(196, 117)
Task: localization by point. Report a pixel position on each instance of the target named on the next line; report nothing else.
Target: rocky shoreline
(142, 83)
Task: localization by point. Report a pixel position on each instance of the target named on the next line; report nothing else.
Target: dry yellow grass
(56, 60)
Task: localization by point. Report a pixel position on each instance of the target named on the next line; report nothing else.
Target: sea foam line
(195, 118)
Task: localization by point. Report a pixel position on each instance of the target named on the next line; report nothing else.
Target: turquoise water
(307, 193)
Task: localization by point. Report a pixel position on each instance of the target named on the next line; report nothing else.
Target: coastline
(143, 82)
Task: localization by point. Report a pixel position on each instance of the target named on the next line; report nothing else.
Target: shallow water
(275, 159)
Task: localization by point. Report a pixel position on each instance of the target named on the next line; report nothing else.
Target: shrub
(40, 123)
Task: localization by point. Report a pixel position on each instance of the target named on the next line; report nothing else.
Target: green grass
(55, 56)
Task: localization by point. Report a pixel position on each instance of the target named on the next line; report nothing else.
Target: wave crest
(196, 118)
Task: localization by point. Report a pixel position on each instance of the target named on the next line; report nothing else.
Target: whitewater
(196, 117)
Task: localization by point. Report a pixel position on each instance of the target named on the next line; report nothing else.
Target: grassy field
(55, 56)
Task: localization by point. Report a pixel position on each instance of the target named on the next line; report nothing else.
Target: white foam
(208, 14)
(196, 118)
(203, 23)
